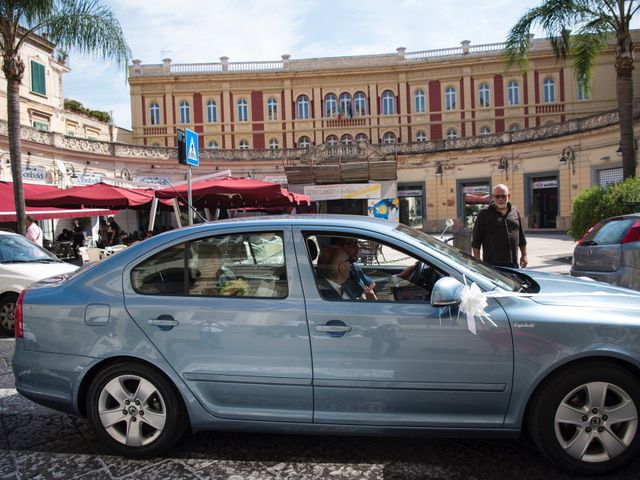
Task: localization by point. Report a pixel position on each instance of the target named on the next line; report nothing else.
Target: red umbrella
(235, 193)
(8, 207)
(97, 195)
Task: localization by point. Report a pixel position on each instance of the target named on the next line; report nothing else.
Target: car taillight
(587, 233)
(633, 234)
(17, 316)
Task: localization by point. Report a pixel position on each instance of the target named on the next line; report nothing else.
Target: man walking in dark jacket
(498, 231)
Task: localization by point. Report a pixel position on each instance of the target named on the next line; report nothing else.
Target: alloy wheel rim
(132, 410)
(7, 315)
(596, 422)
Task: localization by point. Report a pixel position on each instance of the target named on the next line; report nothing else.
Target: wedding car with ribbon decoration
(283, 324)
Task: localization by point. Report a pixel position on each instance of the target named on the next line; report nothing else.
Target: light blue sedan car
(332, 324)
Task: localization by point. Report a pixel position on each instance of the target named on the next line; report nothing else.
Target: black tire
(7, 311)
(142, 423)
(575, 430)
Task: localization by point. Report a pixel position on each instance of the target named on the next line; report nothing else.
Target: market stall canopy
(95, 196)
(8, 206)
(235, 193)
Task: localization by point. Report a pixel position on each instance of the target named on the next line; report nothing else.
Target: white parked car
(21, 263)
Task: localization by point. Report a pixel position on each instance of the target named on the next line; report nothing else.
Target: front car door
(398, 361)
(227, 312)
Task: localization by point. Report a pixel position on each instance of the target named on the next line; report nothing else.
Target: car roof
(328, 220)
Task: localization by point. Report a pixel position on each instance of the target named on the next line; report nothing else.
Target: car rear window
(610, 231)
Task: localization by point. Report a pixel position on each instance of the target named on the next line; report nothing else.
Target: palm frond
(587, 45)
(90, 28)
(555, 17)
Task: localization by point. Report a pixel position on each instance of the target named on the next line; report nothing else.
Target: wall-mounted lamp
(568, 156)
(619, 150)
(503, 164)
(439, 171)
(125, 174)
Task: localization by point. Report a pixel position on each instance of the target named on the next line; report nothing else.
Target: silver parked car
(610, 252)
(275, 324)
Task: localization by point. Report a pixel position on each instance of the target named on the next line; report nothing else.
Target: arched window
(360, 103)
(330, 105)
(331, 140)
(388, 103)
(212, 111)
(389, 137)
(420, 101)
(513, 92)
(273, 144)
(346, 139)
(154, 110)
(213, 145)
(484, 95)
(243, 110)
(549, 88)
(303, 107)
(421, 136)
(272, 109)
(452, 133)
(584, 89)
(185, 116)
(243, 145)
(514, 126)
(345, 105)
(485, 130)
(450, 98)
(304, 142)
(361, 138)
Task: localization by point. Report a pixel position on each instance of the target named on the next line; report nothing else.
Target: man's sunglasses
(500, 196)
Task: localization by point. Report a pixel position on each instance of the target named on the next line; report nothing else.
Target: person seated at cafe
(78, 238)
(65, 236)
(334, 268)
(113, 233)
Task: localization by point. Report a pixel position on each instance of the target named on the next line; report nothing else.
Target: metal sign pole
(189, 195)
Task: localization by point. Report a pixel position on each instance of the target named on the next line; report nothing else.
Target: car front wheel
(7, 313)
(134, 410)
(585, 420)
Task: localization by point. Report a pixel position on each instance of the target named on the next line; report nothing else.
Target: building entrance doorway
(544, 202)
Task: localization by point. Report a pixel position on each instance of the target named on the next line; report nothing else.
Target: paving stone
(26, 431)
(120, 467)
(46, 465)
(12, 403)
(168, 471)
(7, 463)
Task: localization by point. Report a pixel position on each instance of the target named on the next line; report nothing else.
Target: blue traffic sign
(191, 147)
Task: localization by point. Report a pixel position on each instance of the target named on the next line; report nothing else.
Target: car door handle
(333, 328)
(163, 321)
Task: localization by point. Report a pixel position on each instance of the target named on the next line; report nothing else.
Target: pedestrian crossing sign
(191, 146)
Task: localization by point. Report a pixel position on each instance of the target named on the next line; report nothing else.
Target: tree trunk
(15, 150)
(624, 94)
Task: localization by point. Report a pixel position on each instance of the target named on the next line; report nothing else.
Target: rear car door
(231, 324)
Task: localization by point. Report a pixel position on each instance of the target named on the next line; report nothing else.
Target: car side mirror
(446, 292)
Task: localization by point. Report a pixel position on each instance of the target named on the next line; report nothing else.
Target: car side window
(362, 269)
(162, 274)
(251, 265)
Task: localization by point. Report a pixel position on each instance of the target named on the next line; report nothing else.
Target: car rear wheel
(7, 313)
(585, 419)
(134, 410)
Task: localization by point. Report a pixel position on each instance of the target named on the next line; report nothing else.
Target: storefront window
(412, 205)
(475, 196)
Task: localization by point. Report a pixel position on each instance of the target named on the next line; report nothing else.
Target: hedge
(596, 203)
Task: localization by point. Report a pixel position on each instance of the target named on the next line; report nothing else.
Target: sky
(202, 31)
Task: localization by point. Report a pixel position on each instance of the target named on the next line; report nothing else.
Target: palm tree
(84, 25)
(595, 22)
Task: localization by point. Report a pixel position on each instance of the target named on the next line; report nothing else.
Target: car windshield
(609, 232)
(498, 278)
(17, 249)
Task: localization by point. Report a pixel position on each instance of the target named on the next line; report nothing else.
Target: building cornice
(287, 155)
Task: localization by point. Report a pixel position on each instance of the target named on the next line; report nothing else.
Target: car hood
(26, 273)
(556, 289)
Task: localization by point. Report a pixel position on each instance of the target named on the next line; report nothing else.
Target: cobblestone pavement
(39, 443)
